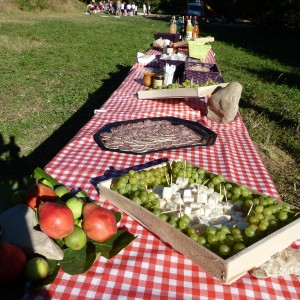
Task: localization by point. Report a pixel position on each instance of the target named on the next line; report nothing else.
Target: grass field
(56, 68)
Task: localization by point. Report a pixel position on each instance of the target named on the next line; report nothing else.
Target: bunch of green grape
(135, 185)
(185, 84)
(264, 214)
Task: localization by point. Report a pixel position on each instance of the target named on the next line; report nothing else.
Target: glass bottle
(182, 29)
(195, 33)
(173, 26)
(189, 30)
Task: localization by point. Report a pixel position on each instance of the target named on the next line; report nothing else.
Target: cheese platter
(211, 254)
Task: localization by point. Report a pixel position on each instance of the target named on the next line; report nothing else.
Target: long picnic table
(149, 268)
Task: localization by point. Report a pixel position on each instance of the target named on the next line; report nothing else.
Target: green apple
(36, 269)
(75, 204)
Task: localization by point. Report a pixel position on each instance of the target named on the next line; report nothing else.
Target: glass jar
(148, 79)
(158, 80)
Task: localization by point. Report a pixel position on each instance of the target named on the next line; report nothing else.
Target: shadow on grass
(12, 165)
(281, 44)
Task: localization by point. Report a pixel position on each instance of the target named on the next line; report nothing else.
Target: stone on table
(286, 262)
(223, 105)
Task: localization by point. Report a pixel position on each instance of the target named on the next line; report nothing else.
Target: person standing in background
(144, 9)
(149, 8)
(136, 10)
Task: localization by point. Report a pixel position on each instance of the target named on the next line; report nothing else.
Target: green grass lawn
(56, 68)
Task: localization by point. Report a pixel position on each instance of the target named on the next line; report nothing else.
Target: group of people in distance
(118, 8)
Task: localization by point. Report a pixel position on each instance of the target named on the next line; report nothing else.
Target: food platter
(128, 137)
(225, 269)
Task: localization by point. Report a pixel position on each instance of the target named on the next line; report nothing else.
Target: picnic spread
(151, 266)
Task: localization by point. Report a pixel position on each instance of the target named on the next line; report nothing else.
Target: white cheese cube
(202, 189)
(195, 205)
(182, 182)
(187, 210)
(162, 203)
(202, 198)
(215, 214)
(217, 196)
(207, 210)
(175, 188)
(187, 193)
(199, 212)
(188, 200)
(167, 193)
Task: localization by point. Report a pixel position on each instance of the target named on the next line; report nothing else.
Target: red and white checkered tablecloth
(149, 268)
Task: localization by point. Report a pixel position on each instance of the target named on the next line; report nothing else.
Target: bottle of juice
(173, 26)
(189, 30)
(196, 30)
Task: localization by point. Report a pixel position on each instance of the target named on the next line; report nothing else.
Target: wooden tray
(228, 270)
(178, 93)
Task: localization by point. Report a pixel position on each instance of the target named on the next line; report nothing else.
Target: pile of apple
(62, 215)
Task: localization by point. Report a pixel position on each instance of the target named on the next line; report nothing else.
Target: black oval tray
(208, 136)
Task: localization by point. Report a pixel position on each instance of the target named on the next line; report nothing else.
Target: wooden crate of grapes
(173, 204)
(170, 93)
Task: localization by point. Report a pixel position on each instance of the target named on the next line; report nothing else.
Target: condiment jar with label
(158, 80)
(148, 78)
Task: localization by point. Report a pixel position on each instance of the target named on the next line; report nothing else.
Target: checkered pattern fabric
(149, 268)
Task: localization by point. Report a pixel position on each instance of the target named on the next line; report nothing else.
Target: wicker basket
(198, 50)
(178, 75)
(173, 37)
(191, 73)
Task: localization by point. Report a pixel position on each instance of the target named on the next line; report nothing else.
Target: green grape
(270, 200)
(212, 239)
(174, 217)
(121, 184)
(151, 196)
(254, 220)
(229, 240)
(267, 211)
(282, 215)
(173, 223)
(156, 212)
(155, 202)
(249, 231)
(221, 235)
(259, 216)
(182, 224)
(228, 186)
(238, 238)
(211, 230)
(144, 197)
(137, 200)
(259, 209)
(245, 193)
(200, 171)
(131, 172)
(122, 191)
(210, 185)
(185, 218)
(239, 247)
(255, 201)
(224, 249)
(133, 180)
(163, 217)
(263, 225)
(262, 202)
(225, 229)
(237, 191)
(201, 240)
(191, 230)
(235, 231)
(194, 237)
(216, 180)
(248, 203)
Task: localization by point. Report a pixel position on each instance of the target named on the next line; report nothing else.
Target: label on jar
(158, 81)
